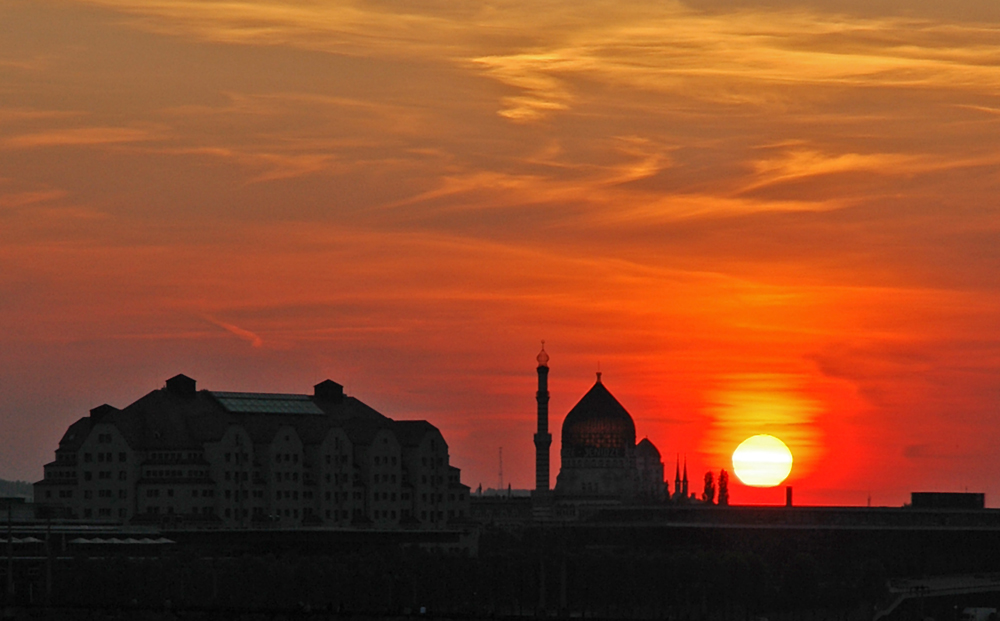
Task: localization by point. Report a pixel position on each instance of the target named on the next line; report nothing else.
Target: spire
(677, 470)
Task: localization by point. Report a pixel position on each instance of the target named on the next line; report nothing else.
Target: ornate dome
(598, 426)
(647, 450)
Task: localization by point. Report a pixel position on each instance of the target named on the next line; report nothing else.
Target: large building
(601, 463)
(191, 457)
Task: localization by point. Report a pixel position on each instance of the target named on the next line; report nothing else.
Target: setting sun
(762, 461)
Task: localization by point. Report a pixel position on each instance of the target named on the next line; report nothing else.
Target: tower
(678, 490)
(684, 482)
(543, 439)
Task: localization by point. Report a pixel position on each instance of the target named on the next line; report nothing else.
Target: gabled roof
(412, 432)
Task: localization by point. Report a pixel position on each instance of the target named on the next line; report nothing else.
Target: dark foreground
(623, 571)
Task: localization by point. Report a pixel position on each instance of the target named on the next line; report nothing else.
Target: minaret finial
(598, 371)
(543, 357)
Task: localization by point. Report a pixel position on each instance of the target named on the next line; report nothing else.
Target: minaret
(543, 439)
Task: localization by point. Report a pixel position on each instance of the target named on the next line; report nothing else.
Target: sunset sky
(754, 217)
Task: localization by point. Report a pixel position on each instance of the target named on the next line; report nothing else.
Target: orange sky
(757, 217)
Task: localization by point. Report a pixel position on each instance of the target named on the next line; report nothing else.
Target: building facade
(182, 456)
(600, 462)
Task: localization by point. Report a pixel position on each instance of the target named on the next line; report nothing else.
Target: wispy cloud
(74, 137)
(246, 335)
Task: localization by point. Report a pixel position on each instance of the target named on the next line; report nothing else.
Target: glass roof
(266, 403)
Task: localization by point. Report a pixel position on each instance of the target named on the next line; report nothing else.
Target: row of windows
(104, 475)
(384, 460)
(173, 456)
(105, 457)
(386, 478)
(236, 476)
(103, 493)
(337, 459)
(176, 474)
(238, 457)
(286, 457)
(60, 474)
(104, 512)
(337, 478)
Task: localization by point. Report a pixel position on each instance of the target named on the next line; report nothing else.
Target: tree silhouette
(723, 488)
(708, 496)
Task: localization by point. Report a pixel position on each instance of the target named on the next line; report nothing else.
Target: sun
(762, 461)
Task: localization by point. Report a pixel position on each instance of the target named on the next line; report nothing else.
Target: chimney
(182, 385)
(788, 496)
(328, 390)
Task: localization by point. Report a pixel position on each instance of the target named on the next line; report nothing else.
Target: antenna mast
(500, 476)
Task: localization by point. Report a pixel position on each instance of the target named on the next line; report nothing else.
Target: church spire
(685, 481)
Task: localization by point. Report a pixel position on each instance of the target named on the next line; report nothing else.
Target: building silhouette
(236, 459)
(600, 462)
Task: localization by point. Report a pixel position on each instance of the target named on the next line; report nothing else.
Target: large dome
(598, 426)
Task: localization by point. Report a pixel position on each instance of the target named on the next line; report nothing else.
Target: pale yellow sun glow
(762, 461)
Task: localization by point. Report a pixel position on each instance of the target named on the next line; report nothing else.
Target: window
(48, 493)
(194, 493)
(121, 513)
(228, 476)
(152, 493)
(88, 494)
(228, 457)
(100, 458)
(170, 493)
(104, 493)
(295, 458)
(104, 475)
(87, 457)
(87, 513)
(393, 461)
(123, 493)
(122, 475)
(229, 493)
(88, 475)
